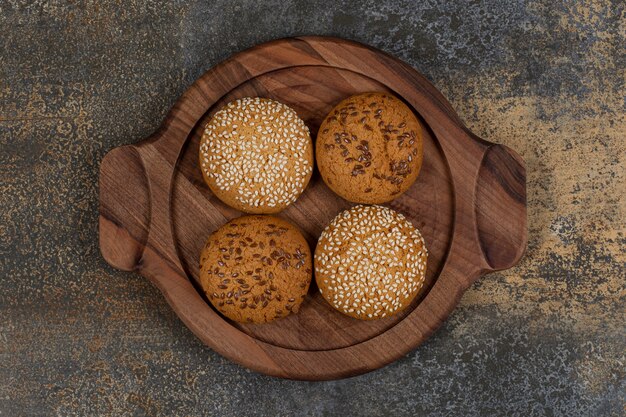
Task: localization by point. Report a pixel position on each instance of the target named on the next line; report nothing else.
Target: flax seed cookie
(369, 148)
(256, 269)
(256, 155)
(370, 262)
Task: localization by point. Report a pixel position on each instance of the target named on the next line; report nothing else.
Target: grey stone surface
(544, 338)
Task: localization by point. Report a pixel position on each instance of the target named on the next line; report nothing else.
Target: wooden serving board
(156, 211)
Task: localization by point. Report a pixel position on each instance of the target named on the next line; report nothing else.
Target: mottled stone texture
(544, 338)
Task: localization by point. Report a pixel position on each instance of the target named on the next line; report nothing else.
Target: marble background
(546, 338)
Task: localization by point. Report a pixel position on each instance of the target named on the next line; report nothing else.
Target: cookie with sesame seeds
(256, 155)
(369, 148)
(256, 269)
(370, 262)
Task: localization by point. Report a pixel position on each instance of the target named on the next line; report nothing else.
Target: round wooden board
(156, 211)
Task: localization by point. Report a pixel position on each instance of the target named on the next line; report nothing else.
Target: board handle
(124, 212)
(500, 207)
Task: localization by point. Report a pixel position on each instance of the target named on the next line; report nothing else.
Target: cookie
(370, 262)
(256, 155)
(255, 269)
(369, 148)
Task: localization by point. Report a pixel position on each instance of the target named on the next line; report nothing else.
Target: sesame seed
(253, 159)
(382, 264)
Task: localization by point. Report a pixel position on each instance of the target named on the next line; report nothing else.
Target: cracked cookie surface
(256, 269)
(369, 148)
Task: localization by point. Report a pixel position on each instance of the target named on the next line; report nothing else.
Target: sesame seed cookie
(369, 148)
(256, 155)
(370, 262)
(256, 269)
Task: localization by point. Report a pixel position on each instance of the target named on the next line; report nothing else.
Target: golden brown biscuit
(256, 269)
(369, 148)
(370, 262)
(256, 155)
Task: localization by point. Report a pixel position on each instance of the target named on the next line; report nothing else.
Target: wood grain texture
(156, 211)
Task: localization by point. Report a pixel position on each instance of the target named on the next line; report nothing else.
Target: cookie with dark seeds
(369, 148)
(256, 269)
